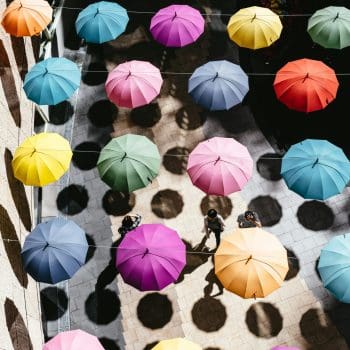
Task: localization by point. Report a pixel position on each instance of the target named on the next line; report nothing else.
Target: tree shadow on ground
(146, 116)
(102, 113)
(223, 205)
(60, 113)
(19, 50)
(85, 155)
(109, 344)
(91, 249)
(293, 263)
(167, 204)
(268, 209)
(269, 166)
(118, 203)
(72, 199)
(54, 303)
(315, 215)
(175, 160)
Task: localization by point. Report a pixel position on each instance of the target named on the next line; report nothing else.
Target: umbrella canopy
(218, 85)
(177, 25)
(334, 267)
(176, 344)
(251, 263)
(73, 340)
(129, 162)
(133, 84)
(26, 17)
(254, 27)
(54, 251)
(220, 166)
(306, 85)
(41, 159)
(330, 27)
(52, 81)
(150, 257)
(315, 169)
(101, 22)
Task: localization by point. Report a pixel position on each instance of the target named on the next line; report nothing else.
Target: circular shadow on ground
(102, 113)
(54, 303)
(151, 345)
(146, 116)
(189, 117)
(118, 203)
(264, 320)
(315, 215)
(154, 310)
(95, 74)
(167, 204)
(91, 249)
(211, 348)
(223, 205)
(268, 209)
(109, 344)
(72, 200)
(293, 263)
(60, 113)
(269, 166)
(102, 306)
(175, 160)
(85, 155)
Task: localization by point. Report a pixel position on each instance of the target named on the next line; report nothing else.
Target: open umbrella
(101, 22)
(52, 81)
(220, 166)
(133, 84)
(150, 257)
(41, 159)
(26, 17)
(254, 27)
(176, 344)
(54, 251)
(306, 85)
(129, 162)
(315, 169)
(330, 27)
(177, 25)
(251, 263)
(218, 85)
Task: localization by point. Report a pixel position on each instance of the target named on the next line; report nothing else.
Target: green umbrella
(330, 27)
(129, 162)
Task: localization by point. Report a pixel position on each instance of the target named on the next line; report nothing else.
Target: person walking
(129, 223)
(248, 219)
(213, 222)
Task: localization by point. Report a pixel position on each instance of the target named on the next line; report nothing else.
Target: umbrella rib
(263, 262)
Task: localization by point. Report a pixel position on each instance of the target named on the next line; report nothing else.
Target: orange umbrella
(26, 17)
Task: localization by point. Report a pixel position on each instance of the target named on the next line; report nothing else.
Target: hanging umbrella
(52, 81)
(306, 85)
(220, 166)
(334, 267)
(177, 25)
(218, 85)
(101, 22)
(54, 251)
(254, 27)
(151, 257)
(128, 162)
(251, 263)
(315, 169)
(26, 17)
(41, 159)
(176, 344)
(73, 340)
(133, 84)
(330, 27)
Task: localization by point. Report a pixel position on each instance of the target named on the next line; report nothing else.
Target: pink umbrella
(150, 257)
(220, 166)
(73, 340)
(177, 25)
(133, 84)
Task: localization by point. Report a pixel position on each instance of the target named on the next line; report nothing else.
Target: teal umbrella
(330, 27)
(129, 162)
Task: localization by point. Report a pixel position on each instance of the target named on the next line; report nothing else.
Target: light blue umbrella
(52, 81)
(218, 85)
(334, 267)
(315, 169)
(102, 21)
(54, 251)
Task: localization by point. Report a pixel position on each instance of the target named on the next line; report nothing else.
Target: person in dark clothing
(213, 222)
(248, 219)
(129, 223)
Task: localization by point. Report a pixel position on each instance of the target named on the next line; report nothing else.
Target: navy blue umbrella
(54, 251)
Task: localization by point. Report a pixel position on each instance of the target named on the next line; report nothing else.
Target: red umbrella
(306, 85)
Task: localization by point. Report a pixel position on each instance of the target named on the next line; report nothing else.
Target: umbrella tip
(315, 162)
(145, 253)
(124, 156)
(254, 17)
(46, 245)
(217, 159)
(336, 17)
(175, 15)
(306, 77)
(249, 258)
(216, 76)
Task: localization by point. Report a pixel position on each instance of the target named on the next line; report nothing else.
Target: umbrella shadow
(340, 316)
(293, 263)
(91, 250)
(54, 303)
(150, 346)
(60, 113)
(269, 166)
(85, 155)
(268, 209)
(190, 117)
(72, 199)
(146, 116)
(109, 344)
(175, 160)
(315, 215)
(223, 205)
(118, 203)
(102, 113)
(167, 204)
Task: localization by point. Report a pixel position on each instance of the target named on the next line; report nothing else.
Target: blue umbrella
(334, 267)
(54, 251)
(102, 21)
(218, 85)
(52, 81)
(315, 169)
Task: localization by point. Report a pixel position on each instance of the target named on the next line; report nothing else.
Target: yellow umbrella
(41, 159)
(251, 263)
(176, 344)
(254, 27)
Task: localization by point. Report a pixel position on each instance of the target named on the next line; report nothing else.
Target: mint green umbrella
(330, 27)
(129, 162)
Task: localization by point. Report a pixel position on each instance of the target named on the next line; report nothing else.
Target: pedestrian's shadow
(212, 280)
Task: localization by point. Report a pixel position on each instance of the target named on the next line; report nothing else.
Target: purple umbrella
(177, 25)
(150, 257)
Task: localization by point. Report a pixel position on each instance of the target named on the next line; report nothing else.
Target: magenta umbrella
(177, 25)
(220, 166)
(133, 84)
(150, 257)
